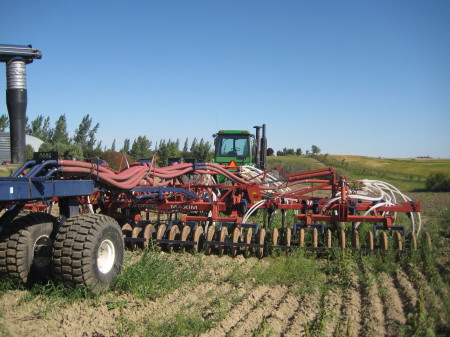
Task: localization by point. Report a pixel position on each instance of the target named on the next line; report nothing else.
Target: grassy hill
(407, 174)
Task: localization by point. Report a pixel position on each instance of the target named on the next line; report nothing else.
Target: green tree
(113, 145)
(126, 146)
(186, 146)
(29, 152)
(167, 149)
(202, 151)
(85, 133)
(315, 149)
(193, 145)
(60, 134)
(298, 152)
(4, 123)
(65, 151)
(290, 152)
(141, 148)
(40, 128)
(73, 151)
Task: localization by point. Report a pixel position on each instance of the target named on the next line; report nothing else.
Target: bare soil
(237, 307)
(379, 309)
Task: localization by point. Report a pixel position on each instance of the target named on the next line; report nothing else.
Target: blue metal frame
(39, 188)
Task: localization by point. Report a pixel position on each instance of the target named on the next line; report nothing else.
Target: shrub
(438, 182)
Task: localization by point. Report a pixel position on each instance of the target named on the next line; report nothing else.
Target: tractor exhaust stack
(261, 147)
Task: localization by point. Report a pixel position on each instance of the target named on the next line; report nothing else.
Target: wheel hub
(42, 251)
(106, 256)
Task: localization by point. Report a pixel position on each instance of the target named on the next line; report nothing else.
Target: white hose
(252, 210)
(388, 193)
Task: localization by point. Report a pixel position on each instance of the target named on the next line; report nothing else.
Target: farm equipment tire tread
(77, 248)
(17, 248)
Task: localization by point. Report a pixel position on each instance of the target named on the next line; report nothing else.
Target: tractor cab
(240, 147)
(233, 146)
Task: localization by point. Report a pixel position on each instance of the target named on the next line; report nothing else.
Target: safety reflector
(232, 163)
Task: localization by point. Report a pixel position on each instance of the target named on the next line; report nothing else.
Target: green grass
(294, 164)
(297, 269)
(155, 275)
(6, 170)
(181, 324)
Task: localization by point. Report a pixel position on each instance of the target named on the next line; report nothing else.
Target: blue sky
(352, 77)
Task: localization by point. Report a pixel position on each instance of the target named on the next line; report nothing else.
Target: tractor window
(233, 146)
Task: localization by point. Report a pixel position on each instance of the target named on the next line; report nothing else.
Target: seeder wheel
(328, 238)
(134, 235)
(222, 237)
(342, 238)
(161, 232)
(315, 238)
(198, 236)
(384, 245)
(248, 240)
(275, 237)
(412, 240)
(287, 237)
(260, 240)
(370, 241)
(301, 237)
(355, 240)
(184, 236)
(174, 233)
(149, 233)
(127, 230)
(236, 235)
(398, 244)
(209, 237)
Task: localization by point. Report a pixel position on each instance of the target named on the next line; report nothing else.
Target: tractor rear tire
(88, 252)
(26, 248)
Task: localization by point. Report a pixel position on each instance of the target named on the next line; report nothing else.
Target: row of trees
(298, 152)
(83, 144)
(201, 151)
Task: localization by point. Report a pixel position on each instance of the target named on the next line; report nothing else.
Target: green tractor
(239, 147)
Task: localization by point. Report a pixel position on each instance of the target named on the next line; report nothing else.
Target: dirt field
(224, 296)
